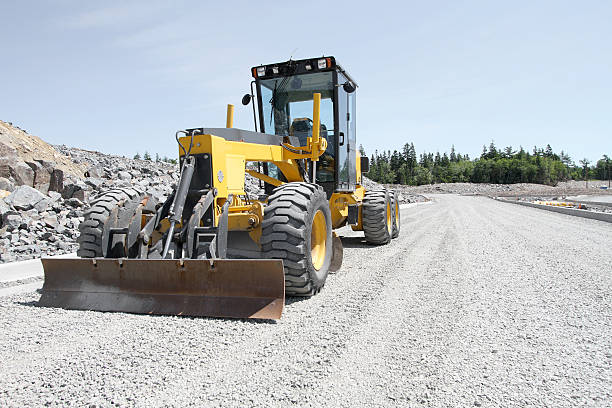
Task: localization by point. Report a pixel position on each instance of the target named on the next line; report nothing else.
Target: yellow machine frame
(229, 159)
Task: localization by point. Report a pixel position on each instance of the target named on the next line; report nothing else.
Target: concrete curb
(31, 268)
(594, 215)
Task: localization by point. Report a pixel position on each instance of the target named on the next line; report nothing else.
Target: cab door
(346, 137)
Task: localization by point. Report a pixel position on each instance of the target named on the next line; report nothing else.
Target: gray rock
(73, 189)
(50, 165)
(21, 172)
(56, 181)
(42, 176)
(6, 184)
(54, 196)
(12, 222)
(4, 208)
(94, 182)
(124, 175)
(80, 195)
(24, 197)
(74, 202)
(95, 172)
(50, 221)
(43, 205)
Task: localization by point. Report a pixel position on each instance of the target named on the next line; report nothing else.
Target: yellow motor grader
(212, 249)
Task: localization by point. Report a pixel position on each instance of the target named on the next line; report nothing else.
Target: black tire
(377, 217)
(91, 229)
(395, 205)
(287, 232)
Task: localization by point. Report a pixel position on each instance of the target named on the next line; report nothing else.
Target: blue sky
(122, 77)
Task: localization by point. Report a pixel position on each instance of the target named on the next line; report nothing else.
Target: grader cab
(212, 249)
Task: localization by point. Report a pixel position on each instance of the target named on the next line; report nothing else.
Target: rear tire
(92, 227)
(377, 217)
(297, 229)
(396, 215)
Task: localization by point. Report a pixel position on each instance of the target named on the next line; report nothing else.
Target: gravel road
(478, 303)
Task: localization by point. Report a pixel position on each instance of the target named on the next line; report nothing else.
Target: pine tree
(137, 156)
(362, 151)
(492, 153)
(548, 152)
(147, 156)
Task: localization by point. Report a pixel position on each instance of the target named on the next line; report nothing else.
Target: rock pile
(528, 189)
(37, 222)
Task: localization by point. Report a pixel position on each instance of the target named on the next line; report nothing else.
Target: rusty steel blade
(233, 288)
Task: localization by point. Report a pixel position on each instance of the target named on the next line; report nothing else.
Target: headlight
(322, 63)
(275, 70)
(261, 71)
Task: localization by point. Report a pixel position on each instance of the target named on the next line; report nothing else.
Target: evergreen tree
(453, 155)
(548, 152)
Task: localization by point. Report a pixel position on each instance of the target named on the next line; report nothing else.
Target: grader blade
(229, 288)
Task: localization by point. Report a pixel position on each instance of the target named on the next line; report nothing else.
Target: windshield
(287, 111)
(287, 103)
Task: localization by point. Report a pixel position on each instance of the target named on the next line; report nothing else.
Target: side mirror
(348, 87)
(365, 164)
(246, 99)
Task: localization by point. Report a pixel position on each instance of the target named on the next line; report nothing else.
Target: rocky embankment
(42, 218)
(44, 191)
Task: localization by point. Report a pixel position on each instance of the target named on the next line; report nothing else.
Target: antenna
(292, 52)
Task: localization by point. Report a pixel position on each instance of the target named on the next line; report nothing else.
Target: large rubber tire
(294, 210)
(396, 214)
(377, 217)
(91, 229)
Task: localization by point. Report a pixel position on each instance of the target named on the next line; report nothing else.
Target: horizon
(122, 78)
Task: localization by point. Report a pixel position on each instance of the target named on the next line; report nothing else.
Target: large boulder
(42, 176)
(17, 169)
(56, 182)
(4, 208)
(95, 171)
(6, 184)
(12, 166)
(12, 221)
(124, 176)
(76, 189)
(24, 198)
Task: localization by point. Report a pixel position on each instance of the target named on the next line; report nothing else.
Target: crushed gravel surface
(477, 303)
(20, 282)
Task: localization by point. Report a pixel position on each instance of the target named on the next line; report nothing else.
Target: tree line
(158, 159)
(500, 166)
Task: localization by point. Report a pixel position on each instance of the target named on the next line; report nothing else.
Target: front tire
(297, 229)
(377, 216)
(396, 214)
(92, 227)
